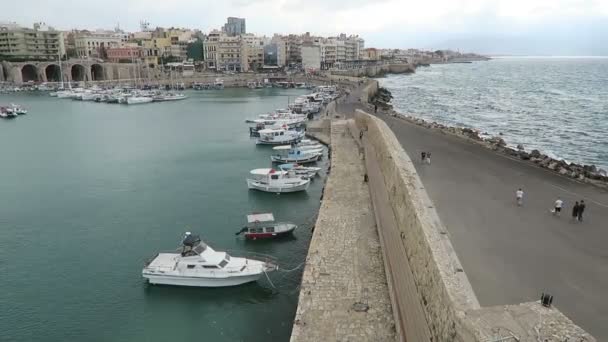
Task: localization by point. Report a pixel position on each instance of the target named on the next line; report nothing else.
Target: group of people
(577, 210)
(425, 157)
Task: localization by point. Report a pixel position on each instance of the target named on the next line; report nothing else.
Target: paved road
(511, 254)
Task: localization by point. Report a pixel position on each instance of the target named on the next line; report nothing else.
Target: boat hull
(276, 235)
(283, 159)
(260, 186)
(158, 279)
(283, 142)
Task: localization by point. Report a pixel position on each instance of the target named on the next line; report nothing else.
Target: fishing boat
(300, 170)
(288, 154)
(263, 226)
(197, 264)
(278, 136)
(139, 99)
(271, 180)
(218, 84)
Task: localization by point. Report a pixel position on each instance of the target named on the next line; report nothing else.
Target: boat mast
(60, 69)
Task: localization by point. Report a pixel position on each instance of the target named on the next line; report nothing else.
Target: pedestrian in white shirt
(558, 207)
(519, 197)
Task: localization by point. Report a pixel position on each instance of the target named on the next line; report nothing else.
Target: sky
(518, 27)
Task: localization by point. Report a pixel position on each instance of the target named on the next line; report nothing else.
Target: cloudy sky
(541, 27)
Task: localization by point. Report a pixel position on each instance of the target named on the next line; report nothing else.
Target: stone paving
(344, 294)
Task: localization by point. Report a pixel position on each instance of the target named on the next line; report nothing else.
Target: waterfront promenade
(511, 254)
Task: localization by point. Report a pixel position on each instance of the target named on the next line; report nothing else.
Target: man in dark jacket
(581, 209)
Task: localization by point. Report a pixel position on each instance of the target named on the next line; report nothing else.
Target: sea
(558, 105)
(90, 191)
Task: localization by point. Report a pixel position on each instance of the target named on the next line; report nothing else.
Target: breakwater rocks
(588, 173)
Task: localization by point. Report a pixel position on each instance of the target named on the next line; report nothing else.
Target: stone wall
(449, 303)
(368, 91)
(376, 70)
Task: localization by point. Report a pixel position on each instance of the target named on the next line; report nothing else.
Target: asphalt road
(511, 254)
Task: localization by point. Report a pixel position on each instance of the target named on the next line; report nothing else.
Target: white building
(90, 44)
(311, 57)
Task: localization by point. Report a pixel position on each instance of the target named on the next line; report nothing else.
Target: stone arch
(29, 72)
(52, 73)
(78, 73)
(97, 72)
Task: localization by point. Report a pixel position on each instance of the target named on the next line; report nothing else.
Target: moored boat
(270, 180)
(263, 226)
(288, 154)
(197, 264)
(278, 136)
(138, 99)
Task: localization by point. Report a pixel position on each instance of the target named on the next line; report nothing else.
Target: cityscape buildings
(230, 48)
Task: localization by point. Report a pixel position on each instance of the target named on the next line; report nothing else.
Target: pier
(453, 270)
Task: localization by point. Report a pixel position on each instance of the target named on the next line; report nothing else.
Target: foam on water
(556, 105)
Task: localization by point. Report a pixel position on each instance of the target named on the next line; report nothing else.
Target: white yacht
(288, 154)
(278, 136)
(197, 264)
(139, 99)
(270, 180)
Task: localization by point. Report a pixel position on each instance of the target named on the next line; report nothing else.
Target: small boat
(218, 84)
(139, 99)
(7, 113)
(197, 264)
(17, 109)
(278, 136)
(262, 226)
(300, 170)
(169, 97)
(288, 154)
(271, 180)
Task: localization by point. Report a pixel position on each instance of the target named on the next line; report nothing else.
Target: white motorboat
(17, 109)
(169, 97)
(7, 113)
(139, 99)
(270, 180)
(288, 154)
(278, 136)
(197, 264)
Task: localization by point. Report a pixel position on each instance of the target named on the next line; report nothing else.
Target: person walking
(519, 197)
(428, 158)
(375, 108)
(581, 210)
(575, 209)
(422, 157)
(557, 209)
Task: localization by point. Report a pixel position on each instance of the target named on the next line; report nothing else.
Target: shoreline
(590, 174)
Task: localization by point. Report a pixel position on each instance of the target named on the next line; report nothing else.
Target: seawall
(448, 300)
(377, 70)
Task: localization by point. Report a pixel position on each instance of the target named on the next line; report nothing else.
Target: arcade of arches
(29, 72)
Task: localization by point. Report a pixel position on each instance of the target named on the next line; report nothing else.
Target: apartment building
(41, 42)
(94, 43)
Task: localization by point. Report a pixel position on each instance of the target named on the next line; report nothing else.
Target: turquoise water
(557, 105)
(89, 191)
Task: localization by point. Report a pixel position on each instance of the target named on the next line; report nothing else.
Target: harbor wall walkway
(449, 304)
(344, 294)
(376, 70)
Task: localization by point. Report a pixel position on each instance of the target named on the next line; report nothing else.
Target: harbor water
(556, 105)
(90, 191)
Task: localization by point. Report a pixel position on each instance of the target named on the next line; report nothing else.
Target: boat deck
(163, 261)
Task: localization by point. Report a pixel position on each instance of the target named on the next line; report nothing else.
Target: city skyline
(566, 27)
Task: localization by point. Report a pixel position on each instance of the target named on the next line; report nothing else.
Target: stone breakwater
(585, 173)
